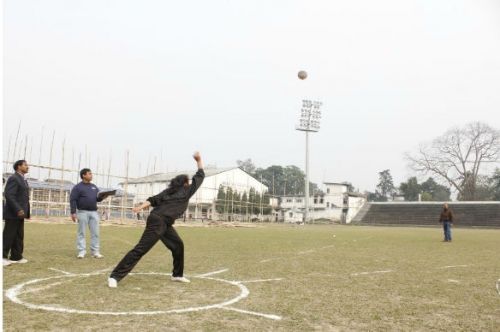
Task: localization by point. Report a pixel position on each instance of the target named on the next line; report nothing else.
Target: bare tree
(247, 165)
(457, 157)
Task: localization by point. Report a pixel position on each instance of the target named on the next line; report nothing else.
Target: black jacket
(17, 197)
(172, 206)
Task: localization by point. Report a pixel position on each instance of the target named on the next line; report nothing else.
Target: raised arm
(199, 176)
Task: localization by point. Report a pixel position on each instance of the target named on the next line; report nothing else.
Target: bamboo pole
(15, 143)
(124, 197)
(108, 185)
(8, 152)
(40, 154)
(50, 169)
(31, 149)
(61, 190)
(25, 146)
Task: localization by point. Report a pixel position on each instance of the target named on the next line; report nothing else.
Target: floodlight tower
(310, 116)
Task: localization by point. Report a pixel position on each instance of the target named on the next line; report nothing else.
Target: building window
(327, 204)
(327, 190)
(315, 201)
(321, 200)
(288, 200)
(299, 201)
(291, 214)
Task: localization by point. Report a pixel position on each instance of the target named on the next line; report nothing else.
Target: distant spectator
(16, 209)
(84, 198)
(446, 218)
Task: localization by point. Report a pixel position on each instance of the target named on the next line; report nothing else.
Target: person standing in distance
(15, 211)
(83, 202)
(446, 218)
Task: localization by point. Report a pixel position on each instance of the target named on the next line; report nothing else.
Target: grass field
(330, 278)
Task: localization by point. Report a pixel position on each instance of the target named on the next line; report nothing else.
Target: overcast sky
(221, 77)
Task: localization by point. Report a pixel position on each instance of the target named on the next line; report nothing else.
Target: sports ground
(267, 277)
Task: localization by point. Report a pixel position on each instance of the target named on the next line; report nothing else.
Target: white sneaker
(97, 255)
(21, 261)
(180, 279)
(112, 283)
(80, 255)
(6, 262)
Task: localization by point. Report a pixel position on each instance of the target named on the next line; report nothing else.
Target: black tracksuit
(17, 196)
(159, 226)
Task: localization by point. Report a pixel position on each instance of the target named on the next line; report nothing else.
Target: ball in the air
(302, 75)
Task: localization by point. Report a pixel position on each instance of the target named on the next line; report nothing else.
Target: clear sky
(171, 77)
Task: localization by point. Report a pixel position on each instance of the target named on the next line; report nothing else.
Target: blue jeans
(447, 230)
(90, 218)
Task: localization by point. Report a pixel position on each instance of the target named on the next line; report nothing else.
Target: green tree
(244, 203)
(437, 192)
(229, 200)
(251, 200)
(237, 202)
(495, 184)
(426, 197)
(385, 187)
(266, 206)
(289, 180)
(221, 199)
(256, 203)
(410, 189)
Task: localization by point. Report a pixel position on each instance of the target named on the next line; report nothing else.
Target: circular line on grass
(14, 292)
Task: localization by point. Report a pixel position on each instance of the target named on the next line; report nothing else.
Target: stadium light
(310, 116)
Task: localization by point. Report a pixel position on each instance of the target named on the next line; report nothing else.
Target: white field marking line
(373, 272)
(267, 260)
(452, 266)
(211, 273)
(259, 280)
(454, 281)
(61, 271)
(104, 270)
(14, 292)
(274, 317)
(498, 286)
(39, 289)
(299, 253)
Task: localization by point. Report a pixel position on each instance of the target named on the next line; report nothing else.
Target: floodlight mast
(310, 116)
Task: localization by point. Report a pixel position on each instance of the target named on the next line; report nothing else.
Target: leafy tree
(251, 201)
(410, 189)
(437, 192)
(426, 197)
(237, 202)
(221, 200)
(385, 187)
(244, 203)
(289, 180)
(495, 185)
(256, 203)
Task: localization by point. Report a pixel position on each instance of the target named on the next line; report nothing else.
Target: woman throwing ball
(168, 205)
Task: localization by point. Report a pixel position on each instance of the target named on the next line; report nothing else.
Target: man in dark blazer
(16, 209)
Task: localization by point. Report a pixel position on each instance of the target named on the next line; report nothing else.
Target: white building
(337, 204)
(202, 204)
